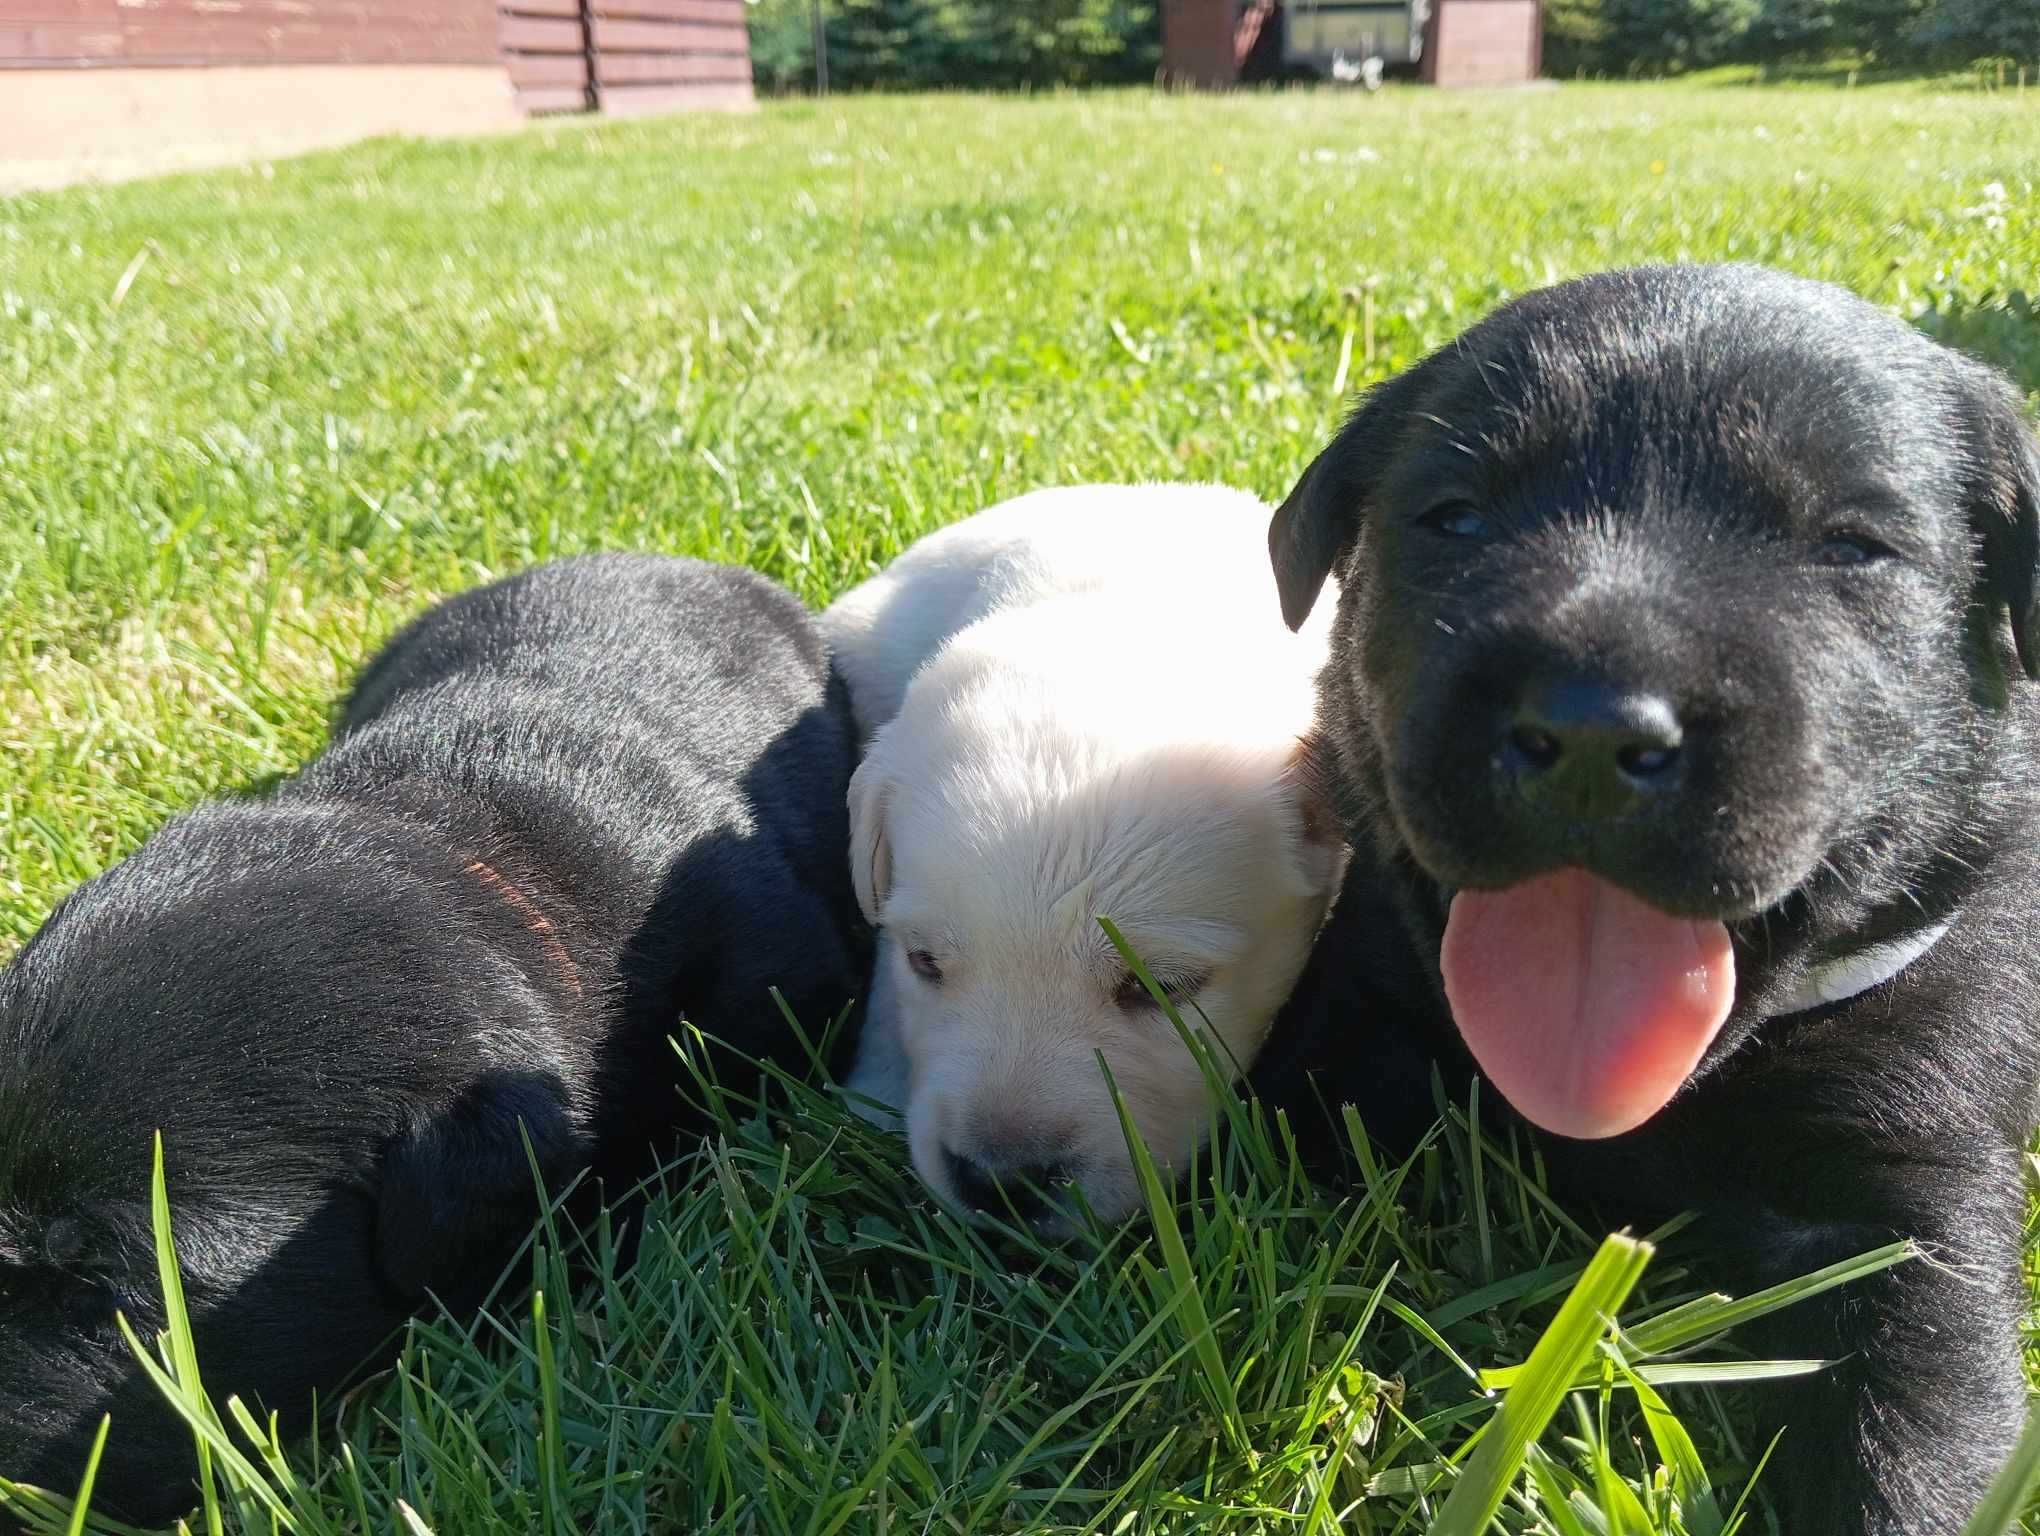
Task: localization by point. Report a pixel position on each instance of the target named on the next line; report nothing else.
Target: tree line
(1661, 36)
(928, 44)
(1002, 44)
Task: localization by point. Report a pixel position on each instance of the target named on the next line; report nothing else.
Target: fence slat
(529, 69)
(231, 38)
(537, 34)
(52, 42)
(671, 68)
(729, 13)
(668, 37)
(84, 12)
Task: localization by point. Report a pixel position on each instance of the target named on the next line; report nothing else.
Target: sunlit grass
(250, 421)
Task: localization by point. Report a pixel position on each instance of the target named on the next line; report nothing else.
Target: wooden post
(821, 37)
(592, 54)
(1199, 42)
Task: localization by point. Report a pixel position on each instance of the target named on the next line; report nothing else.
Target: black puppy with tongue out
(1681, 701)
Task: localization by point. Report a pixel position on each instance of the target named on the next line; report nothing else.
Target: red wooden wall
(618, 56)
(1481, 42)
(1198, 41)
(626, 56)
(75, 33)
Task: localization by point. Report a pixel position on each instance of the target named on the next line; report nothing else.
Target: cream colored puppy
(1082, 703)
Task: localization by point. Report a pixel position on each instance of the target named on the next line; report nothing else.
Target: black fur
(1644, 479)
(562, 812)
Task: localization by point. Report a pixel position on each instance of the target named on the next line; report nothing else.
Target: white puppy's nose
(991, 1186)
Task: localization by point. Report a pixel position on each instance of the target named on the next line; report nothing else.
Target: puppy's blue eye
(923, 965)
(1455, 520)
(1851, 549)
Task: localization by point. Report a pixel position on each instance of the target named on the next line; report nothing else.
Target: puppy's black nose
(1591, 750)
(1024, 1188)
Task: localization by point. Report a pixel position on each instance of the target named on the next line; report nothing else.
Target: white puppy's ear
(871, 789)
(1321, 841)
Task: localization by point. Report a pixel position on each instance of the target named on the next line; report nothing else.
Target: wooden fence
(57, 34)
(625, 57)
(615, 56)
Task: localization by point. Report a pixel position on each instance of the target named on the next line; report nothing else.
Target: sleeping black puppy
(1676, 703)
(563, 812)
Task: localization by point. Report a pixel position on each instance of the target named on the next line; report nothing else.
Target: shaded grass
(250, 421)
(797, 1351)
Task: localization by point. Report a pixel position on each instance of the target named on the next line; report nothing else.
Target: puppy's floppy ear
(457, 1187)
(2005, 501)
(1312, 530)
(1307, 781)
(871, 789)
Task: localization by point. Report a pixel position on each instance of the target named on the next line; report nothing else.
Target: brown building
(1483, 42)
(1450, 42)
(115, 87)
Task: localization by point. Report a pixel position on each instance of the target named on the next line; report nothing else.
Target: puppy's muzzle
(1586, 750)
(987, 1184)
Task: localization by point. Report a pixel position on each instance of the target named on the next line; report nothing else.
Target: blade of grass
(2012, 1490)
(1702, 1373)
(1176, 1261)
(82, 1507)
(1735, 1515)
(182, 1352)
(1565, 1348)
(1698, 1320)
(552, 1455)
(212, 1436)
(1553, 1499)
(1675, 1448)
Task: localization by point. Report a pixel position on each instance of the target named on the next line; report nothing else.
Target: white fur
(1081, 704)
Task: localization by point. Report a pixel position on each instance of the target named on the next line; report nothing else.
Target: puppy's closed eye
(88, 1304)
(1844, 546)
(1132, 994)
(1456, 520)
(924, 965)
(83, 1302)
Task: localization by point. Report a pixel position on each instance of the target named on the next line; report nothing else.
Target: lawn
(250, 421)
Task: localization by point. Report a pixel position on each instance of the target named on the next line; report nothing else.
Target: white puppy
(1082, 703)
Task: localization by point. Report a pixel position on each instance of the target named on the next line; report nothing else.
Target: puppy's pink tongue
(1584, 1006)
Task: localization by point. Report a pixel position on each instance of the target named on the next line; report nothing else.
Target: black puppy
(1675, 701)
(563, 812)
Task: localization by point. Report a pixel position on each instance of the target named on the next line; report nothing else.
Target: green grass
(250, 421)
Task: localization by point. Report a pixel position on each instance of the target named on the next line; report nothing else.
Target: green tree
(1674, 35)
(782, 44)
(1984, 29)
(1575, 38)
(1794, 29)
(910, 44)
(1883, 30)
